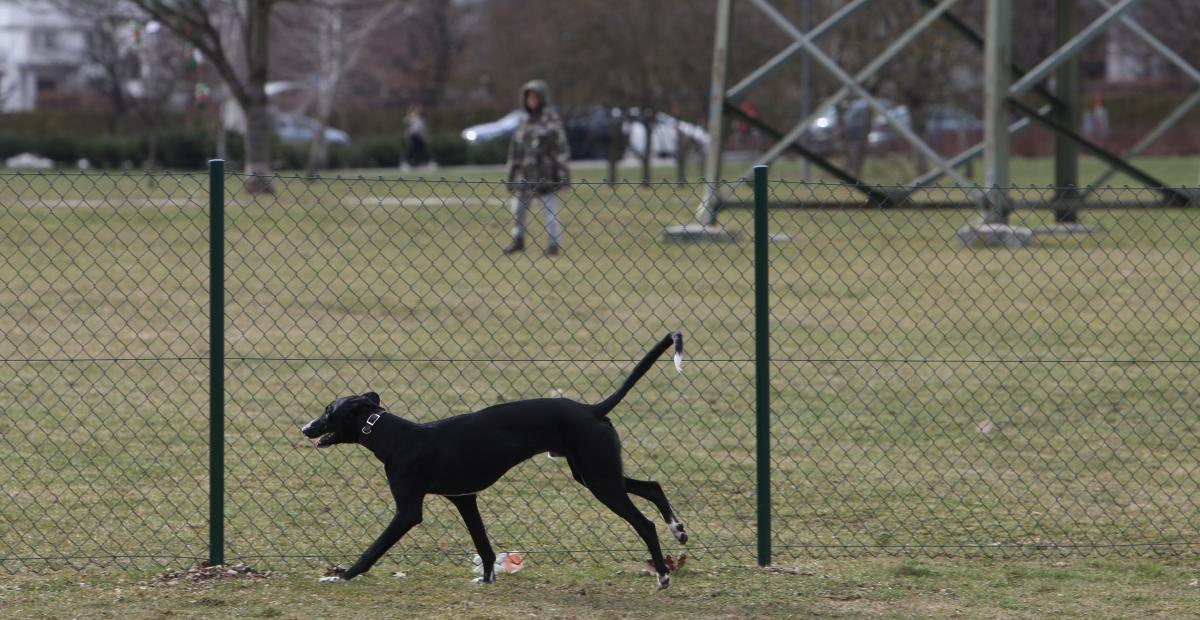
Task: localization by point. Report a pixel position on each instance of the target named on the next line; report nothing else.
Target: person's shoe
(517, 245)
(551, 250)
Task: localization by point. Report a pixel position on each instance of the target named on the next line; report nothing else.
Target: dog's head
(342, 420)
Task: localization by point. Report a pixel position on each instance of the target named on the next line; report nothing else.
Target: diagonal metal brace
(876, 195)
(1171, 195)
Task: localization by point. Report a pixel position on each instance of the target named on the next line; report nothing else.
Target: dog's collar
(371, 420)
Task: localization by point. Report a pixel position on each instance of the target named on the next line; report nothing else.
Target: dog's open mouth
(324, 441)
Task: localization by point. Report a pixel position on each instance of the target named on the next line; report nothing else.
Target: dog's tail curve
(602, 408)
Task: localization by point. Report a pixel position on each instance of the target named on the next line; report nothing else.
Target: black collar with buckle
(371, 420)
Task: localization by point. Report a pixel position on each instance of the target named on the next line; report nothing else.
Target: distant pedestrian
(416, 135)
(537, 166)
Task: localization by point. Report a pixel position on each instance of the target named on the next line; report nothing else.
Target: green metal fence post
(762, 366)
(216, 354)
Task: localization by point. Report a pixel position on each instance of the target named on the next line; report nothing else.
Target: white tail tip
(679, 362)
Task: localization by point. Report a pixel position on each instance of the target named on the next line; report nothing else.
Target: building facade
(43, 54)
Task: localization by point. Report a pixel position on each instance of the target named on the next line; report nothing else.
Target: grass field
(927, 399)
(862, 588)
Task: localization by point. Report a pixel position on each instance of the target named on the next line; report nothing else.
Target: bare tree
(407, 57)
(646, 54)
(234, 36)
(141, 71)
(105, 50)
(161, 74)
(1174, 21)
(924, 74)
(342, 30)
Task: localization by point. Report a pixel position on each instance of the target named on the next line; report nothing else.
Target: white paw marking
(676, 529)
(331, 579)
(480, 580)
(664, 580)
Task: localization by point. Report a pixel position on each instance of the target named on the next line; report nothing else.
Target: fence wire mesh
(926, 397)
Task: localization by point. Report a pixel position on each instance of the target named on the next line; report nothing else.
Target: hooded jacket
(538, 155)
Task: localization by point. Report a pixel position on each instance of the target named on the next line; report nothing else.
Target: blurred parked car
(944, 125)
(827, 131)
(500, 128)
(295, 129)
(665, 135)
(588, 132)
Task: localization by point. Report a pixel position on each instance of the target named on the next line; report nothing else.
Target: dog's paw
(484, 579)
(677, 531)
(664, 580)
(334, 579)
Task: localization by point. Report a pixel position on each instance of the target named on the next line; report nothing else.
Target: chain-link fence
(926, 396)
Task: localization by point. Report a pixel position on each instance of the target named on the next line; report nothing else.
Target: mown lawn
(862, 588)
(927, 398)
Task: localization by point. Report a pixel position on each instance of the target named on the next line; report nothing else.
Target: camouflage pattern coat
(538, 155)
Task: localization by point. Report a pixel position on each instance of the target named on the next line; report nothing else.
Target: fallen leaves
(673, 564)
(204, 572)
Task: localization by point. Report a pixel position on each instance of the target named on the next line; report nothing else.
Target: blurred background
(159, 84)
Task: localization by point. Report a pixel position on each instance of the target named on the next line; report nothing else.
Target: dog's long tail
(602, 408)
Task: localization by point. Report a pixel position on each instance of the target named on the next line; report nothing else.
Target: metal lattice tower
(1004, 82)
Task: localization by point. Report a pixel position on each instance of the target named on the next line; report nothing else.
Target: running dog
(460, 456)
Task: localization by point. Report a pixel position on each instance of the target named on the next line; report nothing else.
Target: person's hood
(541, 88)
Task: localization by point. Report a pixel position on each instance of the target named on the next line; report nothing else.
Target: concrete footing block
(995, 235)
(698, 233)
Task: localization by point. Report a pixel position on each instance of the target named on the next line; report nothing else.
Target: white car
(500, 128)
(587, 130)
(666, 132)
(296, 129)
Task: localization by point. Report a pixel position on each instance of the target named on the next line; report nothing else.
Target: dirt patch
(203, 572)
(783, 570)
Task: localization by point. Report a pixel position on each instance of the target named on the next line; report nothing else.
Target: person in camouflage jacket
(537, 165)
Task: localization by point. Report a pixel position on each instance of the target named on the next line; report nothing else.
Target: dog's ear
(372, 396)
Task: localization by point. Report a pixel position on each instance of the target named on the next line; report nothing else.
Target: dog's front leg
(469, 510)
(408, 515)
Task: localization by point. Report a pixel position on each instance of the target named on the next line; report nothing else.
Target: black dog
(460, 456)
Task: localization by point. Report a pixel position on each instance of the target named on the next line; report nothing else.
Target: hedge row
(187, 149)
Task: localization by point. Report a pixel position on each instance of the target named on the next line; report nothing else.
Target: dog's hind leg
(470, 514)
(611, 492)
(652, 491)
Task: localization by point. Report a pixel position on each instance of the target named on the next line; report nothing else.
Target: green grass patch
(862, 588)
(925, 397)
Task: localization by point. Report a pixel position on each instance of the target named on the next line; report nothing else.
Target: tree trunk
(682, 146)
(331, 58)
(151, 150)
(258, 146)
(219, 124)
(648, 151)
(318, 153)
(856, 143)
(258, 118)
(917, 117)
(616, 144)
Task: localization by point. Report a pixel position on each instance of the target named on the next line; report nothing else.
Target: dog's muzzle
(313, 431)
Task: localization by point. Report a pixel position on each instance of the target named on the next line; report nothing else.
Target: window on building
(45, 40)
